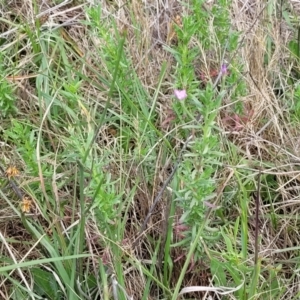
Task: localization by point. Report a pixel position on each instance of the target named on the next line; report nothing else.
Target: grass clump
(149, 153)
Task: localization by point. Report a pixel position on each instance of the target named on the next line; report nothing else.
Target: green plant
(7, 98)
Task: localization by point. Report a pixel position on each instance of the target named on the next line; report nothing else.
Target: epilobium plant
(199, 166)
(198, 171)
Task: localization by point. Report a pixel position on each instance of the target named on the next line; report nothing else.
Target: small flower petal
(180, 94)
(224, 69)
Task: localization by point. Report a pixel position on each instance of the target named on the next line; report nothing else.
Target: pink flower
(180, 94)
(224, 69)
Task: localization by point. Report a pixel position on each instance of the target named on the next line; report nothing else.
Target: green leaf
(217, 271)
(294, 48)
(45, 283)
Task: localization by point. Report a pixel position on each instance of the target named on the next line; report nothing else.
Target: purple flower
(180, 94)
(224, 69)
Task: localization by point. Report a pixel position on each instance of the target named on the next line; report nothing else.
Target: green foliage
(7, 97)
(23, 136)
(197, 173)
(295, 104)
(106, 201)
(294, 48)
(45, 284)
